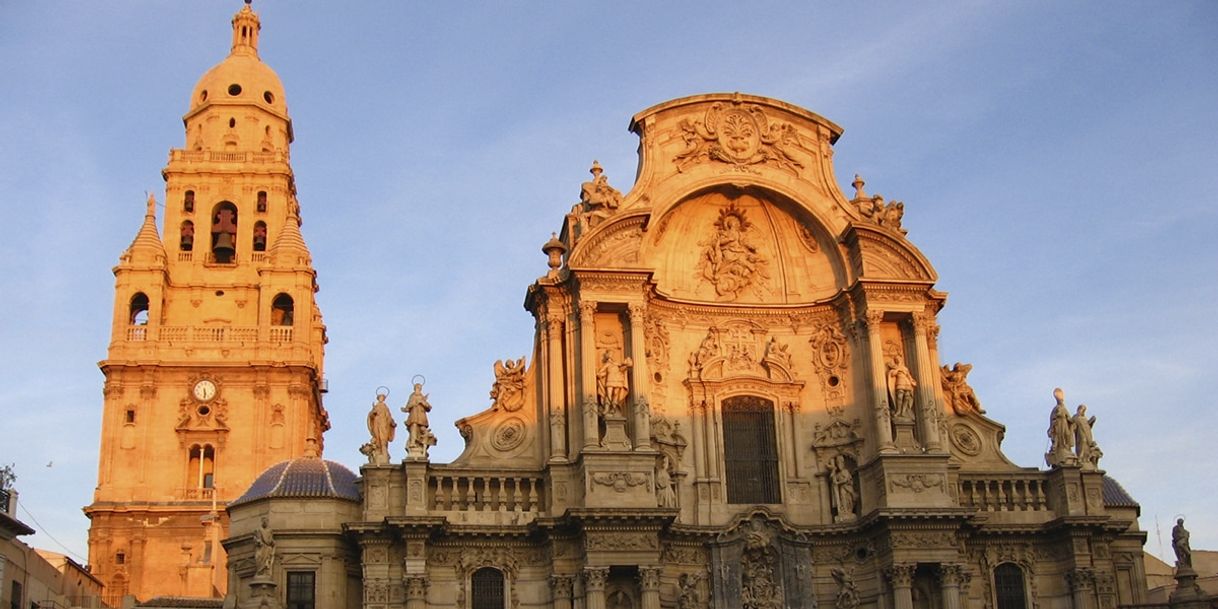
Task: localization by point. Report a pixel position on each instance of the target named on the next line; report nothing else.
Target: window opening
(137, 314)
(15, 600)
(282, 310)
(487, 586)
(750, 454)
(1008, 586)
(188, 201)
(262, 196)
(130, 416)
(187, 241)
(202, 467)
(260, 236)
(120, 558)
(224, 232)
(301, 589)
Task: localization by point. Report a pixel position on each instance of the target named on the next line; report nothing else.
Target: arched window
(487, 585)
(260, 236)
(188, 201)
(1009, 587)
(749, 452)
(224, 232)
(281, 310)
(201, 471)
(137, 312)
(187, 242)
(262, 194)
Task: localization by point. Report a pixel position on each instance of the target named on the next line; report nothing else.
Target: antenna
(1159, 535)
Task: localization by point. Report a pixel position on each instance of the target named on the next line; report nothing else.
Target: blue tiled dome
(303, 477)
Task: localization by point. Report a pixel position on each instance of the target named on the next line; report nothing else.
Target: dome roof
(241, 77)
(303, 477)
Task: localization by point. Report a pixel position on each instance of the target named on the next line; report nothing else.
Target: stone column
(639, 378)
(929, 407)
(587, 372)
(649, 582)
(416, 591)
(594, 587)
(561, 588)
(879, 384)
(900, 577)
(1082, 587)
(557, 390)
(950, 576)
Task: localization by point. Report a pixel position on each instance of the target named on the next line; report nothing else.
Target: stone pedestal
(906, 440)
(615, 434)
(416, 487)
(262, 594)
(1187, 595)
(906, 481)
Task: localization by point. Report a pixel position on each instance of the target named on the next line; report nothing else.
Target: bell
(224, 246)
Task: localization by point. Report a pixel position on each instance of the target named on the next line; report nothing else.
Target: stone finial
(554, 249)
(858, 187)
(151, 212)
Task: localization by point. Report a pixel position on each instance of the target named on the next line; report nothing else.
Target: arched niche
(748, 245)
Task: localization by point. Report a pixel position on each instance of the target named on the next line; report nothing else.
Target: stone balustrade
(500, 491)
(210, 334)
(1004, 492)
(222, 156)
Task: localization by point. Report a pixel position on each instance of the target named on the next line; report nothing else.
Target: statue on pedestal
(666, 496)
(264, 550)
(611, 386)
(901, 390)
(1179, 544)
(1061, 434)
(416, 410)
(1085, 448)
(382, 428)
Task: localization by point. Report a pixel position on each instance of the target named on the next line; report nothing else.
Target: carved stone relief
(620, 482)
(508, 434)
(917, 483)
(830, 357)
(965, 439)
(730, 260)
(739, 135)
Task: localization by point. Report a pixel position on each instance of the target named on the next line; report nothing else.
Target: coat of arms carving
(740, 135)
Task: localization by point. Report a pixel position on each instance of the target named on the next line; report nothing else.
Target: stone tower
(214, 370)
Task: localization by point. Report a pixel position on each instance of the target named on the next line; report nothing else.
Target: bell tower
(214, 369)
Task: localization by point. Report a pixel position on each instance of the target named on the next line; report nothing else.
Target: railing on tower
(1017, 492)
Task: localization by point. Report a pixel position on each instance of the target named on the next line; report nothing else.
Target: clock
(204, 390)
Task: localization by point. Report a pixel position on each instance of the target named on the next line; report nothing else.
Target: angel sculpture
(508, 391)
(1085, 448)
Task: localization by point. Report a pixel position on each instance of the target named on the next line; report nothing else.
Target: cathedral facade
(734, 399)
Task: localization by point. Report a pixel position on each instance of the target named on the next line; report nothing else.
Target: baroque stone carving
(1086, 450)
(621, 541)
(264, 550)
(1061, 434)
(777, 355)
(508, 391)
(730, 261)
(959, 394)
(1180, 545)
(847, 593)
(666, 494)
(918, 483)
(597, 199)
(562, 585)
(687, 595)
(382, 428)
(760, 586)
(900, 575)
(620, 482)
(611, 385)
(830, 356)
(842, 489)
(417, 426)
(739, 135)
(508, 435)
(656, 341)
(901, 386)
(966, 440)
(874, 210)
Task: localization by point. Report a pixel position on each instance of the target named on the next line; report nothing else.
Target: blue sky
(1058, 162)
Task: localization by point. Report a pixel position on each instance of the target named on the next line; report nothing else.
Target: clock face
(204, 390)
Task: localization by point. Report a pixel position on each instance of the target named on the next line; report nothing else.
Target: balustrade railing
(1004, 493)
(209, 334)
(486, 492)
(222, 156)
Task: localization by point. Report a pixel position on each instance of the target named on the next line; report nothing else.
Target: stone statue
(900, 390)
(611, 387)
(890, 216)
(382, 428)
(666, 496)
(416, 410)
(264, 550)
(1061, 436)
(597, 199)
(841, 481)
(1179, 544)
(688, 596)
(729, 260)
(777, 352)
(1085, 448)
(959, 394)
(508, 391)
(847, 592)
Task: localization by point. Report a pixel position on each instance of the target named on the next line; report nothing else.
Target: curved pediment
(875, 253)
